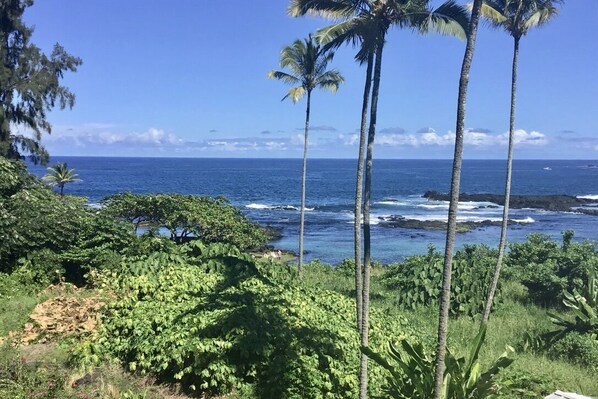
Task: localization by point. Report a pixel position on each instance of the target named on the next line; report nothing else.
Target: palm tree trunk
(303, 176)
(367, 248)
(359, 191)
(443, 315)
(505, 212)
(62, 190)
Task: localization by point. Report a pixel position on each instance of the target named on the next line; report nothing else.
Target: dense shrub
(417, 279)
(222, 321)
(548, 269)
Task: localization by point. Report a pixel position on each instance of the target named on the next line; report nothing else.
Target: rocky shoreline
(462, 227)
(560, 203)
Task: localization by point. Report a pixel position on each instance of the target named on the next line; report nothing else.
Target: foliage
(548, 269)
(30, 84)
(412, 372)
(187, 216)
(216, 319)
(417, 280)
(59, 175)
(585, 310)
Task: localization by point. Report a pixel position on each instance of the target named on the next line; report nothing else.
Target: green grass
(537, 373)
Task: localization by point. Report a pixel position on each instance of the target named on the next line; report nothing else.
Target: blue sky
(188, 79)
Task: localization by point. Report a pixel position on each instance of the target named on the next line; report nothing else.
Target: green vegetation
(197, 312)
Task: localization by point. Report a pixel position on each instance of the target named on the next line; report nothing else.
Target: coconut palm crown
(59, 175)
(307, 62)
(517, 17)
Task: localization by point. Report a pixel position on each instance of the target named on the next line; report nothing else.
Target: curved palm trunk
(367, 251)
(359, 191)
(303, 176)
(505, 213)
(62, 190)
(451, 230)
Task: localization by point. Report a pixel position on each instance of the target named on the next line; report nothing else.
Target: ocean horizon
(268, 191)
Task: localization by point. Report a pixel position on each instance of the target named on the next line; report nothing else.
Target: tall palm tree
(307, 62)
(516, 17)
(451, 230)
(59, 175)
(368, 22)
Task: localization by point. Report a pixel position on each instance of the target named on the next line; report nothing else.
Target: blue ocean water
(268, 190)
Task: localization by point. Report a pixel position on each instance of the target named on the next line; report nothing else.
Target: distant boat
(547, 168)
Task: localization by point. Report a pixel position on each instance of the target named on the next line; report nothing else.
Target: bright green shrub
(222, 321)
(548, 269)
(417, 280)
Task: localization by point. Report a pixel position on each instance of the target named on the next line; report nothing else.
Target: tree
(29, 85)
(516, 17)
(307, 62)
(59, 175)
(451, 230)
(372, 19)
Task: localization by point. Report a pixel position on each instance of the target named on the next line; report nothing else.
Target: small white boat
(547, 168)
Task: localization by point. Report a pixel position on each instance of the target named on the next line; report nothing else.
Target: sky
(188, 78)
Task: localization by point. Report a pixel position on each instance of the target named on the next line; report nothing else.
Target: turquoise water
(268, 190)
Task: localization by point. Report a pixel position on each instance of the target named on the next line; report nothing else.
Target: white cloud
(397, 140)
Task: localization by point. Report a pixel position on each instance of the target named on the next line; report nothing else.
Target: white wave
(396, 203)
(589, 197)
(526, 220)
(444, 218)
(277, 207)
(257, 206)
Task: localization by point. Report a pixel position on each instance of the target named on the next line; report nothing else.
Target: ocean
(268, 191)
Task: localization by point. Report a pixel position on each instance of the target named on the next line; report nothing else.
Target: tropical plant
(308, 63)
(59, 175)
(451, 230)
(30, 84)
(516, 17)
(585, 309)
(367, 22)
(412, 372)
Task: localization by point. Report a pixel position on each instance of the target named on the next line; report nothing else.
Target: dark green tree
(516, 17)
(29, 85)
(59, 175)
(307, 62)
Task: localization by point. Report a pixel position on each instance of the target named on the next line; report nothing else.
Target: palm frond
(295, 94)
(330, 80)
(331, 9)
(285, 77)
(448, 19)
(492, 13)
(542, 15)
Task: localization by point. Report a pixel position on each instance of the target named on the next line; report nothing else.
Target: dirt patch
(67, 313)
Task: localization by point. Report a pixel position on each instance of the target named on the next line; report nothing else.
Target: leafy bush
(220, 321)
(548, 269)
(186, 217)
(418, 279)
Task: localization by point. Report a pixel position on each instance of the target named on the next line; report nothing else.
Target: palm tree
(307, 61)
(59, 175)
(368, 22)
(443, 313)
(516, 17)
